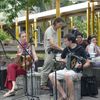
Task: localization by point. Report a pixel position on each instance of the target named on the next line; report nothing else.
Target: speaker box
(3, 73)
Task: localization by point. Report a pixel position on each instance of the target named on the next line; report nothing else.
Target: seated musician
(94, 51)
(17, 67)
(72, 70)
(80, 40)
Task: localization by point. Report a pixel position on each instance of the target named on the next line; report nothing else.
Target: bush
(4, 36)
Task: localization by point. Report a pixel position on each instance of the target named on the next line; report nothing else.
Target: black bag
(89, 86)
(3, 74)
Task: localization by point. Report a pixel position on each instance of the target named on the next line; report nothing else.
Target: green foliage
(12, 7)
(66, 2)
(80, 23)
(4, 35)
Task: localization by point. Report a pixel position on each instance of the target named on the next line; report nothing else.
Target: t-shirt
(50, 33)
(78, 51)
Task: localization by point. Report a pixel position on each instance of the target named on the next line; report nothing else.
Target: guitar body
(26, 62)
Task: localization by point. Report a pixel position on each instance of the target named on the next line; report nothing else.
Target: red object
(13, 70)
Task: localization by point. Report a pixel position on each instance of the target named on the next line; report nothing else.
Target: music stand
(32, 72)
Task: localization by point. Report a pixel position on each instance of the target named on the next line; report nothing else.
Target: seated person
(16, 68)
(93, 50)
(80, 41)
(72, 70)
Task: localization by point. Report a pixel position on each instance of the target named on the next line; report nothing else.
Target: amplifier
(3, 73)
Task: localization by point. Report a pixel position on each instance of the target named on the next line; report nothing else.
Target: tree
(12, 7)
(80, 23)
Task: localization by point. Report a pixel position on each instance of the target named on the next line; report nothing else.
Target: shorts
(60, 74)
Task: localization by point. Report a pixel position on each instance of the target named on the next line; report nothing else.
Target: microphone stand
(26, 52)
(3, 49)
(31, 43)
(54, 51)
(55, 76)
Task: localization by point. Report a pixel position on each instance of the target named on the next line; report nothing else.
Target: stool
(35, 83)
(77, 89)
(20, 82)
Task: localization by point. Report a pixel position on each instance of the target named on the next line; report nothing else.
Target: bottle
(91, 50)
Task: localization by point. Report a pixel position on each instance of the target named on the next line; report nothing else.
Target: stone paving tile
(20, 96)
(45, 95)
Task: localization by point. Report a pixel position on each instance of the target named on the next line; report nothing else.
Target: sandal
(8, 94)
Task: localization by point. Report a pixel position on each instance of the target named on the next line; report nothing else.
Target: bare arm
(19, 51)
(97, 50)
(86, 49)
(34, 54)
(55, 46)
(87, 64)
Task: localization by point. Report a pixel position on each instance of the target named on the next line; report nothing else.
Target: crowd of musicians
(76, 54)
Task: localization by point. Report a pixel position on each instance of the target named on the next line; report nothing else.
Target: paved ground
(44, 96)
